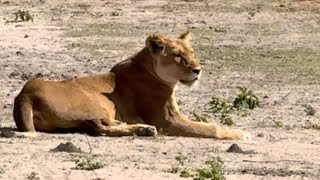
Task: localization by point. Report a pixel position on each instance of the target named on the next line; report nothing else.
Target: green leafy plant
(115, 14)
(86, 162)
(183, 170)
(246, 99)
(23, 15)
(278, 123)
(310, 125)
(185, 174)
(181, 160)
(213, 170)
(180, 167)
(179, 102)
(199, 118)
(226, 119)
(33, 176)
(173, 170)
(310, 110)
(223, 107)
(219, 105)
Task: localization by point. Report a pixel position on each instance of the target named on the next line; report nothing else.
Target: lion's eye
(184, 62)
(178, 59)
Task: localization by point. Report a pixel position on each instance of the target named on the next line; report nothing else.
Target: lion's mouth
(189, 82)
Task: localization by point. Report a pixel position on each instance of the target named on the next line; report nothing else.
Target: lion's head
(174, 60)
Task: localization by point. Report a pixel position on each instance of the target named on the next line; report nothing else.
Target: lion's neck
(137, 77)
(145, 59)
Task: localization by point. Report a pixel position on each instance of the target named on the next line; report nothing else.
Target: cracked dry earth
(272, 47)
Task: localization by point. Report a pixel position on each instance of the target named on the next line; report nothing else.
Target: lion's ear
(185, 36)
(155, 43)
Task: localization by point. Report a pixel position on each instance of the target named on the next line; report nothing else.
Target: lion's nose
(196, 71)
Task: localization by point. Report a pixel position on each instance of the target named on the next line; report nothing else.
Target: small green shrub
(310, 125)
(226, 119)
(219, 105)
(185, 174)
(199, 118)
(180, 167)
(310, 111)
(246, 99)
(173, 170)
(278, 123)
(23, 15)
(33, 176)
(223, 107)
(181, 160)
(213, 171)
(114, 14)
(86, 162)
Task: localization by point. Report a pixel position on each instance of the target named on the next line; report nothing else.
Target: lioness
(136, 97)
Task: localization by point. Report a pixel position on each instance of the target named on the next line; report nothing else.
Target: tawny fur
(136, 97)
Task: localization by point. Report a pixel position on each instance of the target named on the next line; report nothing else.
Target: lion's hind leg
(23, 117)
(122, 129)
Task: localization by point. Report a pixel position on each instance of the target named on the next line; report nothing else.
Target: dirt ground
(272, 47)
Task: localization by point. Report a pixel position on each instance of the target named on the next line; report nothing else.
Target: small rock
(84, 5)
(115, 14)
(234, 148)
(38, 75)
(237, 76)
(7, 134)
(19, 53)
(14, 74)
(260, 135)
(26, 36)
(25, 76)
(315, 142)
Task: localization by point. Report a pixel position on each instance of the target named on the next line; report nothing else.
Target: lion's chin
(191, 83)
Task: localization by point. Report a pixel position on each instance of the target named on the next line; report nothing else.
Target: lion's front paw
(147, 131)
(244, 135)
(23, 134)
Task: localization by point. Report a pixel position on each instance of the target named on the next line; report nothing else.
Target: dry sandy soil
(271, 46)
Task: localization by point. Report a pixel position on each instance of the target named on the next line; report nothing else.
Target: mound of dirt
(67, 147)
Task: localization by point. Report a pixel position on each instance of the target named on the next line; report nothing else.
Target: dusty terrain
(272, 47)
